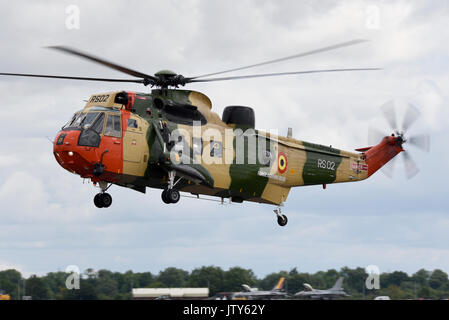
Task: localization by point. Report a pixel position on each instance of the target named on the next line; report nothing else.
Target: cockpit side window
(113, 127)
(90, 134)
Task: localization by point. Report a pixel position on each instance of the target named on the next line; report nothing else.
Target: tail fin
(377, 156)
(338, 284)
(279, 285)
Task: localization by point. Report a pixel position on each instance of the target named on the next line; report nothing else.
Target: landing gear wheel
(97, 200)
(164, 197)
(106, 199)
(173, 195)
(282, 220)
(102, 200)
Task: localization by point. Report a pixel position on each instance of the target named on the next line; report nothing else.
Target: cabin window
(265, 151)
(132, 123)
(215, 149)
(113, 127)
(197, 144)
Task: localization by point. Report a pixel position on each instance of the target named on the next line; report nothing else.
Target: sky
(47, 217)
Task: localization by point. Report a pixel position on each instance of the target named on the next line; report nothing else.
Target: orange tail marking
(377, 156)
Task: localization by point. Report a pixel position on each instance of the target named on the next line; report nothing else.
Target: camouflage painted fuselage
(139, 156)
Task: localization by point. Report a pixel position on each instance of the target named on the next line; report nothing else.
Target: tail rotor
(419, 141)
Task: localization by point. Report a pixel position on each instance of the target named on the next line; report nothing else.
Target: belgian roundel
(282, 162)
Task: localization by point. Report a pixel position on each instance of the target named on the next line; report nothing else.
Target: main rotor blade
(410, 166)
(411, 115)
(421, 141)
(69, 77)
(303, 54)
(277, 74)
(102, 61)
(390, 114)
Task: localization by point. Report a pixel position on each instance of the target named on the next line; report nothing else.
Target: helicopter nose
(69, 155)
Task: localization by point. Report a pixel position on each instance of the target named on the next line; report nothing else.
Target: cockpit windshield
(89, 119)
(71, 121)
(83, 120)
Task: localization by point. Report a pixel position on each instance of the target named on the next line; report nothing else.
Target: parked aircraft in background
(332, 293)
(254, 293)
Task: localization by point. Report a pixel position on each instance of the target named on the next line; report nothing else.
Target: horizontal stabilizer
(363, 149)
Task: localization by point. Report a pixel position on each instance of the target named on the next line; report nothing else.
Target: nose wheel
(103, 200)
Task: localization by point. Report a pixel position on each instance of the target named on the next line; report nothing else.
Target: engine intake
(241, 116)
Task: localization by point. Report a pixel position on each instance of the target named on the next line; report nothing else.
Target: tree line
(104, 284)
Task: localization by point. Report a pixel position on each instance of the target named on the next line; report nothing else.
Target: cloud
(48, 218)
(9, 160)
(5, 265)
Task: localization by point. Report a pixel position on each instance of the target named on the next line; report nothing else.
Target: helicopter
(170, 139)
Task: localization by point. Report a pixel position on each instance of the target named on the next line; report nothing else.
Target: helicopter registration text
(100, 98)
(326, 164)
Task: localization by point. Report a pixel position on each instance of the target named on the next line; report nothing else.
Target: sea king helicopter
(170, 139)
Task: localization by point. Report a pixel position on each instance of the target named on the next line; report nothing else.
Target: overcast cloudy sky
(47, 217)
